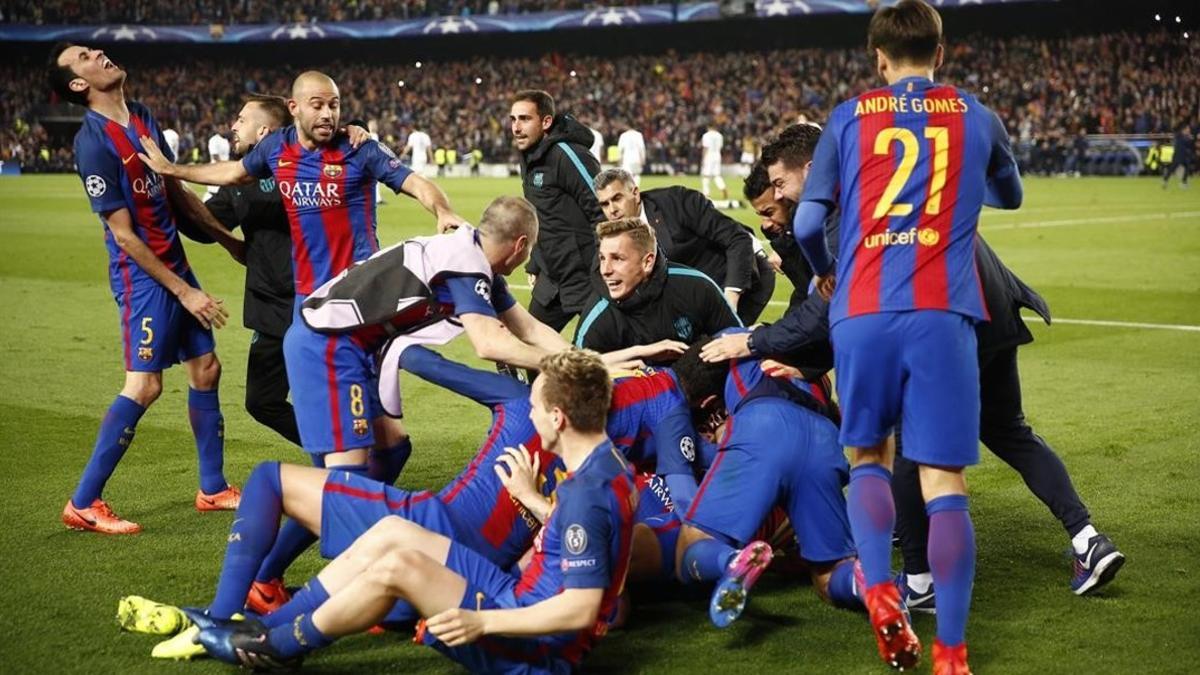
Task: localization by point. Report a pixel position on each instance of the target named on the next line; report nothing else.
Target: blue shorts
(796, 463)
(919, 368)
(490, 587)
(351, 504)
(335, 390)
(666, 528)
(157, 331)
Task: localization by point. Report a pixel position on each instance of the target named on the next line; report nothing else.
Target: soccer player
(778, 446)
(478, 614)
(631, 146)
(711, 144)
(910, 166)
(172, 138)
(218, 151)
(420, 145)
(597, 147)
(165, 317)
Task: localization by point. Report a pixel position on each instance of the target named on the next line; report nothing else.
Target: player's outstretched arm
(573, 609)
(663, 350)
(217, 173)
(187, 204)
(434, 200)
(494, 342)
(485, 388)
(531, 331)
(208, 310)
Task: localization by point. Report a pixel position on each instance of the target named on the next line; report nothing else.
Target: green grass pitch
(1120, 404)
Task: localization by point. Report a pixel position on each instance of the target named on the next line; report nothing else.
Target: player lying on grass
(546, 619)
(777, 446)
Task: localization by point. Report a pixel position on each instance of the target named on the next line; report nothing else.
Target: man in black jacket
(639, 298)
(775, 216)
(556, 177)
(804, 332)
(691, 231)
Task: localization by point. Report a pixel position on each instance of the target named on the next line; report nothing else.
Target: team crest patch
(360, 427)
(95, 185)
(575, 539)
(687, 447)
(538, 179)
(394, 163)
(483, 289)
(683, 328)
(332, 171)
(266, 185)
(145, 353)
(928, 236)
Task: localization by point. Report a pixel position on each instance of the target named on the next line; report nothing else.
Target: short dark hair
(541, 99)
(757, 182)
(60, 77)
(909, 32)
(698, 378)
(275, 107)
(794, 146)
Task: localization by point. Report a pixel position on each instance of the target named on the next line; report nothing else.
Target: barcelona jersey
(908, 166)
(329, 196)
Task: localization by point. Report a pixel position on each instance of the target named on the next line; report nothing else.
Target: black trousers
(267, 387)
(551, 312)
(1003, 429)
(754, 301)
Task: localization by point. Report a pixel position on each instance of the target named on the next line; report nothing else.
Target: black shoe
(245, 646)
(1096, 566)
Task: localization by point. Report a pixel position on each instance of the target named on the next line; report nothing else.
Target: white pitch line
(1037, 319)
(1168, 215)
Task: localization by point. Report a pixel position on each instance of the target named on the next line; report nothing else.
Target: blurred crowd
(193, 12)
(1048, 92)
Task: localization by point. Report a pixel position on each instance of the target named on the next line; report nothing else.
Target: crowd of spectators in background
(1048, 92)
(203, 12)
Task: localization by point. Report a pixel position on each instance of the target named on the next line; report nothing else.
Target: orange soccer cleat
(267, 596)
(98, 518)
(225, 500)
(950, 660)
(898, 644)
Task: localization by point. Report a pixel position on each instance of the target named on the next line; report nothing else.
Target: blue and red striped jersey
(329, 196)
(585, 543)
(649, 420)
(908, 165)
(481, 507)
(106, 155)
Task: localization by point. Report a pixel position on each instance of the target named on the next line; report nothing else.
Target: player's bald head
(508, 218)
(312, 81)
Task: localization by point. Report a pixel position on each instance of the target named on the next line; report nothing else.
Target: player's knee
(399, 571)
(207, 374)
(143, 388)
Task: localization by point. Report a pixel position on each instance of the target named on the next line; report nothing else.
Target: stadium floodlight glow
(400, 84)
(1158, 17)
(479, 80)
(418, 64)
(1178, 20)
(573, 73)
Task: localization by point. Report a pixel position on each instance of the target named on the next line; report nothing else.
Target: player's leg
(705, 185)
(393, 447)
(720, 181)
(912, 529)
(208, 428)
(267, 387)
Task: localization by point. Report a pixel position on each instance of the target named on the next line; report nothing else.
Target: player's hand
(449, 221)
(209, 311)
(520, 478)
(825, 285)
(732, 297)
(358, 135)
(773, 368)
(732, 346)
(154, 158)
(776, 262)
(622, 368)
(456, 627)
(663, 350)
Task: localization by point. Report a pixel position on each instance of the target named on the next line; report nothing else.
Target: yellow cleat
(139, 615)
(182, 647)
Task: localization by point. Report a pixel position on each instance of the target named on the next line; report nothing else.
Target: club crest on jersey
(145, 353)
(360, 427)
(332, 170)
(575, 539)
(687, 447)
(928, 236)
(95, 185)
(538, 179)
(683, 328)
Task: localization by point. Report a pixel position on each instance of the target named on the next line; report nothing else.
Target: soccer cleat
(925, 602)
(98, 518)
(246, 646)
(1096, 566)
(182, 647)
(950, 660)
(139, 615)
(225, 500)
(729, 597)
(898, 645)
(267, 596)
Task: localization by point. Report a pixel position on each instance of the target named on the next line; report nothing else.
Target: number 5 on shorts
(147, 331)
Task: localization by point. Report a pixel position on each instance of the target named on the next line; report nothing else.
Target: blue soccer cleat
(729, 597)
(1096, 566)
(245, 645)
(925, 603)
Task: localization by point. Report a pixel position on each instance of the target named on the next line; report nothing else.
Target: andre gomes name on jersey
(311, 194)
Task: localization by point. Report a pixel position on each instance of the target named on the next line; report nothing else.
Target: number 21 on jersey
(910, 150)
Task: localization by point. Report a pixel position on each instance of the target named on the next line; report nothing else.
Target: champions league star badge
(575, 539)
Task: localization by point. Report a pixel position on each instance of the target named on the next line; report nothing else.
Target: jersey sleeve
(586, 534)
(381, 163)
(502, 299)
(257, 162)
(675, 443)
(821, 185)
(101, 172)
(471, 295)
(486, 388)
